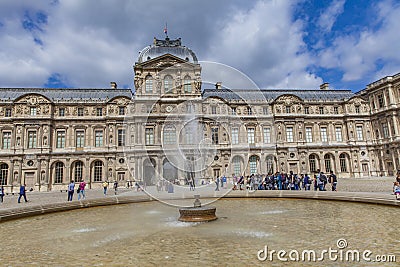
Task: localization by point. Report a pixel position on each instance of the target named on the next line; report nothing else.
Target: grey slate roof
(272, 94)
(55, 94)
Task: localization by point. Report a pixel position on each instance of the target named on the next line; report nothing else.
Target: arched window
(187, 84)
(59, 173)
(312, 162)
(253, 164)
(236, 166)
(3, 174)
(168, 84)
(270, 165)
(342, 161)
(169, 135)
(98, 171)
(149, 84)
(328, 165)
(78, 171)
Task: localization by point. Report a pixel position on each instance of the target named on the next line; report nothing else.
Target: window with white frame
(309, 137)
(214, 135)
(168, 84)
(324, 135)
(289, 134)
(236, 166)
(267, 135)
(253, 164)
(80, 138)
(250, 135)
(33, 111)
(60, 139)
(98, 171)
(233, 111)
(32, 138)
(98, 138)
(149, 135)
(149, 84)
(121, 137)
(61, 112)
(59, 172)
(8, 112)
(235, 136)
(385, 129)
(99, 112)
(169, 135)
(6, 140)
(359, 132)
(187, 84)
(338, 132)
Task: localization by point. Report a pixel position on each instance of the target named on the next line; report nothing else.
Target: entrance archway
(170, 172)
(149, 171)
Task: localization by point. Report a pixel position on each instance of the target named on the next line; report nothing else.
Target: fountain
(197, 213)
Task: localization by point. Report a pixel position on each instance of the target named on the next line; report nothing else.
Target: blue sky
(277, 43)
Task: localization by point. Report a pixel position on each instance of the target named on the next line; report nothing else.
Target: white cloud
(372, 51)
(266, 43)
(329, 16)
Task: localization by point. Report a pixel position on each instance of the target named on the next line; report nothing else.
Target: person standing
(333, 181)
(115, 187)
(82, 186)
(105, 186)
(22, 193)
(1, 194)
(71, 188)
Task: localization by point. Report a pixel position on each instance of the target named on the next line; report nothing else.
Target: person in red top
(82, 190)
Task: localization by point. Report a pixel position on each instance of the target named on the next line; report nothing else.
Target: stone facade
(172, 128)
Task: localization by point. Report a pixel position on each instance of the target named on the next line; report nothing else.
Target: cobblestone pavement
(379, 185)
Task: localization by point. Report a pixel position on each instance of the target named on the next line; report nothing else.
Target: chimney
(113, 85)
(218, 85)
(324, 86)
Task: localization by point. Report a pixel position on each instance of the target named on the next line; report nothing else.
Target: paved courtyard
(381, 186)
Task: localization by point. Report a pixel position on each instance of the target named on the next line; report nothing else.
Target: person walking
(82, 186)
(71, 189)
(217, 180)
(22, 193)
(1, 194)
(105, 186)
(115, 187)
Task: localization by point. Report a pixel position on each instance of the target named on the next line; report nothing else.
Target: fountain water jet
(197, 213)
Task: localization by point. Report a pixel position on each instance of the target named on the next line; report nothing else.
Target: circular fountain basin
(198, 214)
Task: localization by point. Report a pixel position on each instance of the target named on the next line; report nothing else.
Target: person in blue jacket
(22, 193)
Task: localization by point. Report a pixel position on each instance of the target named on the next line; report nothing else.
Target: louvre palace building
(174, 128)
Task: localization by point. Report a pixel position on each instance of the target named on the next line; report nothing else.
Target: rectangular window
(214, 135)
(289, 134)
(80, 112)
(338, 131)
(121, 137)
(189, 108)
(80, 138)
(213, 110)
(98, 138)
(6, 140)
(309, 138)
(267, 135)
(381, 101)
(33, 111)
(121, 176)
(335, 110)
(265, 110)
(357, 109)
(321, 110)
(235, 136)
(306, 110)
(288, 109)
(61, 112)
(324, 135)
(99, 112)
(385, 129)
(169, 136)
(249, 111)
(60, 139)
(233, 111)
(8, 112)
(359, 131)
(187, 86)
(121, 110)
(250, 136)
(149, 135)
(31, 139)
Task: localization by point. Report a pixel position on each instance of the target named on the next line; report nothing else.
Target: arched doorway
(170, 172)
(149, 171)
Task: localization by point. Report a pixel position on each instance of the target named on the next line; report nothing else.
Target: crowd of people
(283, 181)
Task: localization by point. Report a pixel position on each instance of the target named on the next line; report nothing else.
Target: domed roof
(167, 46)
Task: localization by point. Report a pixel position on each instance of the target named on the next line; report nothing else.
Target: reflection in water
(146, 234)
